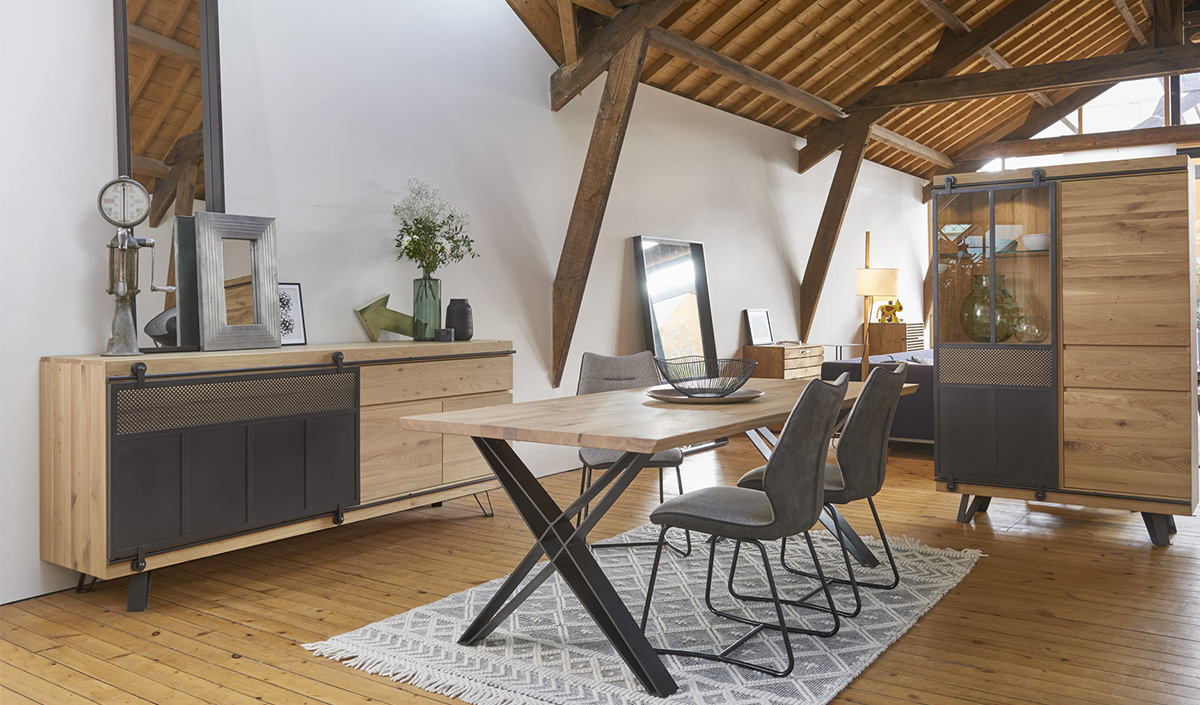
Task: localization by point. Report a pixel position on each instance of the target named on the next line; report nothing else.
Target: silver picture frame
(212, 230)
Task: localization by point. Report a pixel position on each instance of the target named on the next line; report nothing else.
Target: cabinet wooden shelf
(188, 455)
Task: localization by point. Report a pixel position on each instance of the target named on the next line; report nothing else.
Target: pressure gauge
(124, 202)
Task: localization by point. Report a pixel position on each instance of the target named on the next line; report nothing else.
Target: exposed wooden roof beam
(1181, 135)
(955, 23)
(718, 63)
(569, 80)
(186, 148)
(1144, 63)
(153, 41)
(591, 199)
(828, 229)
(150, 167)
(908, 146)
(540, 17)
(570, 31)
(725, 39)
(1127, 15)
(950, 55)
(1166, 23)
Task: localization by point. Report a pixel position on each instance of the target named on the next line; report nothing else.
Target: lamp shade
(878, 281)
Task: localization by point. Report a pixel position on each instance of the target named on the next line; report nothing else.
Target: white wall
(327, 114)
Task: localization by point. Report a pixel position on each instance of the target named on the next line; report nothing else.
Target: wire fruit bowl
(697, 376)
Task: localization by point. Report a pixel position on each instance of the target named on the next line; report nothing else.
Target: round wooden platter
(667, 393)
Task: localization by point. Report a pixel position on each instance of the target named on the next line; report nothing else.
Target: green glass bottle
(975, 313)
(427, 307)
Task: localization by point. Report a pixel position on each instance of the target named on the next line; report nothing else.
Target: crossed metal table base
(566, 547)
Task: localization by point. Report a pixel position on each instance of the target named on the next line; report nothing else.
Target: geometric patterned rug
(549, 651)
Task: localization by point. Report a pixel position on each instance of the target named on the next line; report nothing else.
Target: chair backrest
(794, 479)
(605, 373)
(862, 450)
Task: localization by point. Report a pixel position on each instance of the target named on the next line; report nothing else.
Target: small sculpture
(376, 316)
(888, 313)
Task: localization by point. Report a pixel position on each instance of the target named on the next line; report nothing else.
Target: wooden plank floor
(1071, 605)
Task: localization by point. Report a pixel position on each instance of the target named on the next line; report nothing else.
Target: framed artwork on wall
(291, 315)
(758, 326)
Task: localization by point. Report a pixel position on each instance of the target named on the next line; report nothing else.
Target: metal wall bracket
(340, 360)
(139, 561)
(139, 370)
(339, 515)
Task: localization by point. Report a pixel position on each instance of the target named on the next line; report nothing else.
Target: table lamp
(873, 283)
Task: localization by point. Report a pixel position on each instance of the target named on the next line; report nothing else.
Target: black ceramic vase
(458, 317)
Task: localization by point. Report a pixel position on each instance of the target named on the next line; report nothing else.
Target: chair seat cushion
(834, 482)
(732, 512)
(600, 458)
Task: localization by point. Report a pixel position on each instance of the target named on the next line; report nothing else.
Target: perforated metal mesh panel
(996, 366)
(160, 406)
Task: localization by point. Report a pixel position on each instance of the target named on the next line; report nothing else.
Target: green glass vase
(427, 307)
(975, 314)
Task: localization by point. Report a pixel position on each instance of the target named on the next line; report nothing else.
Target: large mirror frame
(210, 82)
(695, 253)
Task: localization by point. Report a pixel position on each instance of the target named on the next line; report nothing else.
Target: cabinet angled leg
(968, 506)
(1159, 526)
(139, 591)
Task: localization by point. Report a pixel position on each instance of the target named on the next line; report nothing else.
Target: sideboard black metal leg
(489, 512)
(1171, 524)
(1159, 528)
(967, 507)
(139, 591)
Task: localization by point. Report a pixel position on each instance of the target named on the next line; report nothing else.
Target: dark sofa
(914, 414)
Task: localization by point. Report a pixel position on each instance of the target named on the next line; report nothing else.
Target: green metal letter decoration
(376, 316)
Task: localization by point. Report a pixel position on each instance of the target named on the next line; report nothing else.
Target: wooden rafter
(1127, 15)
(764, 83)
(727, 38)
(1181, 135)
(163, 109)
(172, 24)
(150, 167)
(950, 55)
(541, 19)
(570, 30)
(828, 229)
(150, 40)
(1144, 63)
(993, 57)
(1166, 23)
(570, 79)
(904, 144)
(591, 199)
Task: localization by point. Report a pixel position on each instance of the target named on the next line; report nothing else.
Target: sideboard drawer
(411, 381)
(395, 461)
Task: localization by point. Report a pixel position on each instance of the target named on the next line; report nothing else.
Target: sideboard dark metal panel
(195, 459)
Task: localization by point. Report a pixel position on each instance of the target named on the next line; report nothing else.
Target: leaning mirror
(169, 125)
(673, 285)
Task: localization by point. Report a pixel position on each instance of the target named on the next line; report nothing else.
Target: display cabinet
(995, 397)
(1065, 337)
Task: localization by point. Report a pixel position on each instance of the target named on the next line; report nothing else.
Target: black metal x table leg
(764, 441)
(566, 547)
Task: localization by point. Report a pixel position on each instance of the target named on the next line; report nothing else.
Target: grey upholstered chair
(861, 465)
(790, 503)
(604, 373)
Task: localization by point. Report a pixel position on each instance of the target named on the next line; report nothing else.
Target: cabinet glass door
(964, 266)
(1024, 287)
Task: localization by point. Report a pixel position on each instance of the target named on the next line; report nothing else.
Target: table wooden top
(626, 420)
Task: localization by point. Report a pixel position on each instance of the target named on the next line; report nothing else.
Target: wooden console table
(158, 459)
(627, 421)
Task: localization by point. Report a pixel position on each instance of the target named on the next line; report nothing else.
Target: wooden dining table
(627, 421)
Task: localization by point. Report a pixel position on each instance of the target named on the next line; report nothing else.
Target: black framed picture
(291, 315)
(758, 326)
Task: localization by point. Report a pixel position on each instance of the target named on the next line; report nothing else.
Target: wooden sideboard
(786, 360)
(163, 458)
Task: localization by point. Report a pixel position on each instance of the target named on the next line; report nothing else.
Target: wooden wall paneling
(410, 381)
(461, 460)
(595, 184)
(1133, 443)
(829, 228)
(394, 461)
